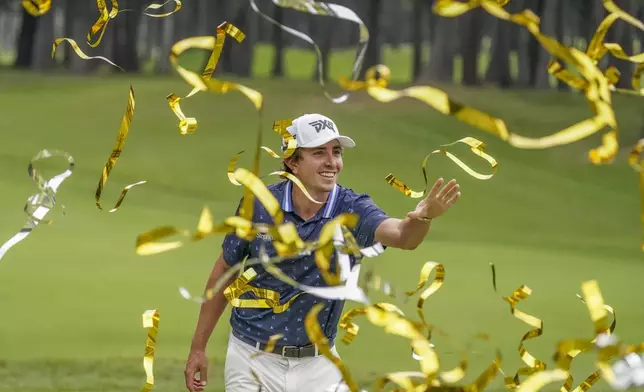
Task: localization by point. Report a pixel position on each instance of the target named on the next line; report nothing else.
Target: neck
(304, 207)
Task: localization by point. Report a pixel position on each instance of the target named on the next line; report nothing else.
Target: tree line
(513, 57)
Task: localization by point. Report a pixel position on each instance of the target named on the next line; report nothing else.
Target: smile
(327, 174)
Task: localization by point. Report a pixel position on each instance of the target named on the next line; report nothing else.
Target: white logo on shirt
(264, 237)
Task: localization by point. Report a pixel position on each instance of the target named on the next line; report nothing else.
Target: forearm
(413, 232)
(211, 310)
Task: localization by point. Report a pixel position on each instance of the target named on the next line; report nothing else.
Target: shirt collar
(287, 201)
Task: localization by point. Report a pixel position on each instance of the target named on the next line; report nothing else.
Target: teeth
(327, 175)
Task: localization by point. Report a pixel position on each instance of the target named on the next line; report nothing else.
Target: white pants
(277, 373)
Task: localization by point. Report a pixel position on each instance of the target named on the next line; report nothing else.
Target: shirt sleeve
(235, 249)
(370, 217)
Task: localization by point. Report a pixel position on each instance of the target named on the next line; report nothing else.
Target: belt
(310, 350)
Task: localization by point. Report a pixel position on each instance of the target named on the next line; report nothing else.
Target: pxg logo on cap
(320, 125)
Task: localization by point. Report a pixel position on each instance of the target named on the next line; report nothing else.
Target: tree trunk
(498, 72)
(162, 65)
(126, 29)
(79, 16)
(417, 38)
(278, 43)
(237, 57)
(549, 16)
(443, 50)
(25, 44)
(622, 33)
(372, 55)
(323, 35)
(471, 29)
(529, 48)
(561, 32)
(44, 37)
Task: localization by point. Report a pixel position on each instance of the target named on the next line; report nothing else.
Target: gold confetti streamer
(124, 129)
(477, 148)
(597, 92)
(279, 126)
(325, 247)
(594, 300)
(327, 9)
(40, 203)
(317, 337)
(538, 380)
(596, 51)
(534, 365)
(231, 177)
(36, 7)
(101, 23)
(151, 321)
(568, 350)
(188, 125)
(79, 52)
(614, 9)
(202, 83)
(265, 298)
(154, 6)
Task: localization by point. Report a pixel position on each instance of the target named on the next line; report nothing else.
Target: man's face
(318, 168)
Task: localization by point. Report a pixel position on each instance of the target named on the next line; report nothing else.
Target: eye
(318, 153)
(337, 152)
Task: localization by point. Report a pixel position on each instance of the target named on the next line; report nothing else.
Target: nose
(330, 161)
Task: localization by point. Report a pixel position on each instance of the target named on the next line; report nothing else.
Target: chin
(327, 187)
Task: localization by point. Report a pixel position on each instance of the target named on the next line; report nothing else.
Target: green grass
(72, 294)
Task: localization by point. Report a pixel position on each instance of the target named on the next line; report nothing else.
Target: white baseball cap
(314, 130)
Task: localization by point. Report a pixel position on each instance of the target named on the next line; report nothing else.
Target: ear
(292, 164)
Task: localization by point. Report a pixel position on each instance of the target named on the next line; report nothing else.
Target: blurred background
(473, 49)
(72, 293)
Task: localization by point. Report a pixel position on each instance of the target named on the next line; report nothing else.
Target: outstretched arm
(410, 232)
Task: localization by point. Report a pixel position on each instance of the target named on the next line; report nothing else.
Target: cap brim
(345, 142)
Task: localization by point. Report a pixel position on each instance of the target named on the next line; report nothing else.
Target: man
(295, 364)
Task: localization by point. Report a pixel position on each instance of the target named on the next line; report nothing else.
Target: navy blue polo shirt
(259, 324)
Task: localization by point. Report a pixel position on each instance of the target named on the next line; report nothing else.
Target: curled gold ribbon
(597, 90)
(325, 247)
(327, 9)
(597, 49)
(231, 176)
(151, 321)
(477, 148)
(568, 350)
(538, 380)
(205, 82)
(534, 365)
(317, 337)
(279, 126)
(265, 298)
(598, 311)
(124, 129)
(79, 52)
(36, 7)
(40, 203)
(101, 23)
(188, 125)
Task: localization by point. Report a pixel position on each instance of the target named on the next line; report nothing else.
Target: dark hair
(295, 157)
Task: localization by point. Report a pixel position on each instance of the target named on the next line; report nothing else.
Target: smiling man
(295, 364)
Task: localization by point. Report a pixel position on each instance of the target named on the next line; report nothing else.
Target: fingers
(189, 374)
(454, 199)
(446, 189)
(200, 384)
(437, 185)
(454, 190)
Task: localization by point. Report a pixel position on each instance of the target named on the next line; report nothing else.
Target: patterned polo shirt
(259, 324)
